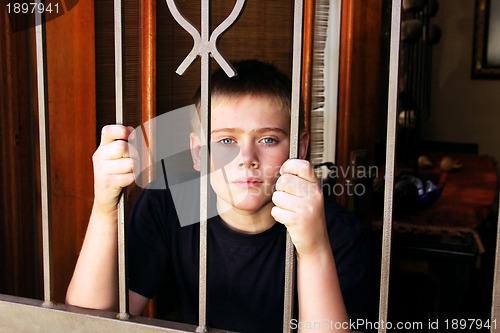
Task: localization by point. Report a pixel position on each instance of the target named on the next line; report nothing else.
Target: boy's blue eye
(226, 141)
(268, 141)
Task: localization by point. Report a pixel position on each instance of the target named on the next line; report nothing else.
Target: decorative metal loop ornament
(202, 44)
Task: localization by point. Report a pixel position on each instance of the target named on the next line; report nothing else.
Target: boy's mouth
(248, 182)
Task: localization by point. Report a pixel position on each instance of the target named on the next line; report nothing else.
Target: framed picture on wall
(486, 57)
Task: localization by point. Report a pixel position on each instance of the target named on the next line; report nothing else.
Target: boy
(255, 190)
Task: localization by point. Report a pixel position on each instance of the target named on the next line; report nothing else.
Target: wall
(462, 109)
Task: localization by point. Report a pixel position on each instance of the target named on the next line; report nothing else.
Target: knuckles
(131, 164)
(292, 183)
(283, 181)
(105, 130)
(115, 132)
(276, 197)
(296, 166)
(122, 146)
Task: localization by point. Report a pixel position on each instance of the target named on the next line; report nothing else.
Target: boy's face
(250, 134)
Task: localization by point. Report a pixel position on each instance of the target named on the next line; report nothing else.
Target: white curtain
(325, 82)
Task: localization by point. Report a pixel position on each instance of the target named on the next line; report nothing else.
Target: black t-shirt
(245, 271)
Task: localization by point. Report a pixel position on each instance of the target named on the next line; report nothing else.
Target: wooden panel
(17, 181)
(71, 91)
(359, 80)
(307, 59)
(148, 89)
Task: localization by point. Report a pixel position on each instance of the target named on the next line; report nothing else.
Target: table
(437, 267)
(469, 195)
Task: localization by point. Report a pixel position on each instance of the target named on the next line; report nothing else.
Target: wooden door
(360, 101)
(72, 116)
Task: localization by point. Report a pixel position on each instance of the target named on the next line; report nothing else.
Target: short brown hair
(255, 78)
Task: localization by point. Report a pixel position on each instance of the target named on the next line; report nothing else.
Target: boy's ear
(303, 144)
(194, 144)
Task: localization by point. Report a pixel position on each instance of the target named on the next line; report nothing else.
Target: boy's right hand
(113, 167)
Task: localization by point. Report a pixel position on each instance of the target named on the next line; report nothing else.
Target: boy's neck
(249, 222)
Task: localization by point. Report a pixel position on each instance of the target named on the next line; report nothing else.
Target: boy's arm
(320, 297)
(299, 206)
(95, 280)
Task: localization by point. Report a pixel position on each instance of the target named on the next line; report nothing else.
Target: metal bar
(495, 306)
(390, 162)
(204, 45)
(296, 78)
(43, 123)
(289, 283)
(119, 89)
(294, 150)
(205, 164)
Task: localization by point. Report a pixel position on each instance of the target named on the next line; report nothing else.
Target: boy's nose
(248, 157)
(253, 165)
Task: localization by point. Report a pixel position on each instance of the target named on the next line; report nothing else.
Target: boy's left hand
(300, 207)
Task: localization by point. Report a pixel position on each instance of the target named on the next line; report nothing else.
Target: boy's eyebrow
(257, 130)
(270, 129)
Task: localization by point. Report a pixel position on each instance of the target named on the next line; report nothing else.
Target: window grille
(21, 314)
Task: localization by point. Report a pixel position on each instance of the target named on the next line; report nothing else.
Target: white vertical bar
(390, 162)
(294, 151)
(205, 163)
(43, 123)
(122, 281)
